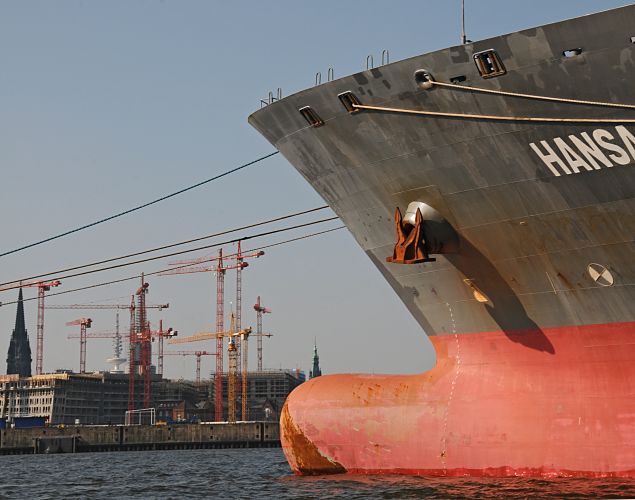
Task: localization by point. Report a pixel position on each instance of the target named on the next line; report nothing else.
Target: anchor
(411, 247)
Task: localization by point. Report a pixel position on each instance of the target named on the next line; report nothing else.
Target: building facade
(267, 391)
(87, 398)
(101, 398)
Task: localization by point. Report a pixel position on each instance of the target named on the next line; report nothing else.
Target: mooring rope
(532, 96)
(493, 117)
(542, 119)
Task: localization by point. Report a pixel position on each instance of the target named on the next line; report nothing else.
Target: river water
(253, 473)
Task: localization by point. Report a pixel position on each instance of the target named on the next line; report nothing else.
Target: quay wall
(80, 438)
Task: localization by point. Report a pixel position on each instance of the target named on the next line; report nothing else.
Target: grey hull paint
(527, 236)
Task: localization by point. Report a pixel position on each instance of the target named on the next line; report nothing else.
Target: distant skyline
(105, 105)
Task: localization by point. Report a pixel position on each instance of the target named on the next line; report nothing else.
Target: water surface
(253, 473)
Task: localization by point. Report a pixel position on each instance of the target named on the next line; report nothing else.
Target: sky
(106, 105)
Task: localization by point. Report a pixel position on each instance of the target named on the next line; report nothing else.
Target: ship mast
(463, 36)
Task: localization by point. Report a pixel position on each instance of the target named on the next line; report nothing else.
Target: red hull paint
(556, 402)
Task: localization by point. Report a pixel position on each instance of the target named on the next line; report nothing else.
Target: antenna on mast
(463, 36)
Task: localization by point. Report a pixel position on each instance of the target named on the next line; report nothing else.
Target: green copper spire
(316, 372)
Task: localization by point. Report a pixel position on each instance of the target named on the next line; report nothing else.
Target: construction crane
(218, 387)
(132, 355)
(231, 381)
(83, 323)
(217, 266)
(118, 307)
(244, 338)
(240, 257)
(143, 338)
(160, 307)
(244, 334)
(198, 355)
(162, 334)
(118, 348)
(92, 335)
(42, 287)
(260, 310)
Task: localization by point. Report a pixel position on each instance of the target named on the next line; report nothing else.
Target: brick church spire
(19, 355)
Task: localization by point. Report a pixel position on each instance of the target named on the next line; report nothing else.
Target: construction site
(134, 392)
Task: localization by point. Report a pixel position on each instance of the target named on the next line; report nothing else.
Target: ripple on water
(184, 474)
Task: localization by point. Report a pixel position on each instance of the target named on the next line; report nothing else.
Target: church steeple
(316, 372)
(19, 355)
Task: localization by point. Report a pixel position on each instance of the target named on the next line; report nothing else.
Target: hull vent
(349, 100)
(489, 63)
(311, 116)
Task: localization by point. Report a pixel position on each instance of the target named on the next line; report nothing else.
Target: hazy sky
(104, 105)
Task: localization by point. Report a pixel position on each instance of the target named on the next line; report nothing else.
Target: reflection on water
(254, 474)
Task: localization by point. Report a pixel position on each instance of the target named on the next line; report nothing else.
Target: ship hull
(532, 316)
(490, 407)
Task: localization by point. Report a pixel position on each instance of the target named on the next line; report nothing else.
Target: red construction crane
(220, 269)
(118, 307)
(260, 310)
(198, 355)
(83, 323)
(42, 286)
(144, 338)
(140, 339)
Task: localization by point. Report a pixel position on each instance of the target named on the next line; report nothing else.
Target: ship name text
(587, 151)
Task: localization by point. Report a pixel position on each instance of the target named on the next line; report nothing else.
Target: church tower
(19, 355)
(316, 372)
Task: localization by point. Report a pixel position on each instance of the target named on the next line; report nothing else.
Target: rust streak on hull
(302, 453)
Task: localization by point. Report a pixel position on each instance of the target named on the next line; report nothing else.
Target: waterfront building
(102, 397)
(85, 398)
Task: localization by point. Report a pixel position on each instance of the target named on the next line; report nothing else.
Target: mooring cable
(16, 285)
(139, 207)
(163, 247)
(153, 273)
